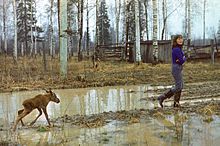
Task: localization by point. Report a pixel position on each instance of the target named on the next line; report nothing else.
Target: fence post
(212, 51)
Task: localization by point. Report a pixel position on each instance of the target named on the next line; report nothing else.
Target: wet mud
(124, 116)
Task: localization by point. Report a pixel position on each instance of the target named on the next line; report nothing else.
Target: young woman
(178, 60)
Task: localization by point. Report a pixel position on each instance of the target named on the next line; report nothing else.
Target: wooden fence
(164, 51)
(126, 52)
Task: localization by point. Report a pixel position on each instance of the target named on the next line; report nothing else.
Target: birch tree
(164, 9)
(137, 33)
(62, 16)
(32, 41)
(117, 13)
(51, 29)
(4, 26)
(204, 14)
(15, 55)
(188, 23)
(97, 28)
(87, 27)
(80, 25)
(35, 38)
(155, 44)
(146, 5)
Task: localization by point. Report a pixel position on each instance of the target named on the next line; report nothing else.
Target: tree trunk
(51, 28)
(189, 25)
(35, 38)
(146, 17)
(80, 22)
(186, 19)
(25, 27)
(155, 44)
(97, 28)
(164, 8)
(137, 33)
(87, 28)
(15, 55)
(4, 28)
(117, 13)
(32, 41)
(124, 21)
(62, 16)
(204, 10)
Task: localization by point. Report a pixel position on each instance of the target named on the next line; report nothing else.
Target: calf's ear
(47, 91)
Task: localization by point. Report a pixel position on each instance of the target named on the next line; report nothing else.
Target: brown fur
(39, 102)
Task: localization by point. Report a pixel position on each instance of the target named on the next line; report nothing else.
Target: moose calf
(39, 102)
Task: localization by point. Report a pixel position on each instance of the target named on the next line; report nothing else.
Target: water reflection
(151, 131)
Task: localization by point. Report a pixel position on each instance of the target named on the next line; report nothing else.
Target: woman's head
(178, 41)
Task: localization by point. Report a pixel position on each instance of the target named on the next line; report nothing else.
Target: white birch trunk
(137, 33)
(63, 40)
(87, 27)
(124, 21)
(15, 54)
(51, 28)
(4, 27)
(146, 5)
(189, 19)
(186, 18)
(32, 41)
(97, 29)
(164, 29)
(117, 13)
(35, 38)
(80, 22)
(155, 44)
(204, 13)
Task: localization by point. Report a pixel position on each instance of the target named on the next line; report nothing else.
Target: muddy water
(151, 131)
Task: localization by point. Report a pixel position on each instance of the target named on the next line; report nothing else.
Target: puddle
(150, 131)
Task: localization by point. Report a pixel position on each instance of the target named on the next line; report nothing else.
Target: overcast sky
(175, 21)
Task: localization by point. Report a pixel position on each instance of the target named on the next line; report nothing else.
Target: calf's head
(53, 96)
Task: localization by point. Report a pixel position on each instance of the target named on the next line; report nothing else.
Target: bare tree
(155, 44)
(51, 29)
(117, 14)
(137, 33)
(146, 5)
(62, 16)
(80, 25)
(189, 22)
(204, 12)
(4, 27)
(166, 16)
(87, 27)
(15, 54)
(32, 40)
(35, 38)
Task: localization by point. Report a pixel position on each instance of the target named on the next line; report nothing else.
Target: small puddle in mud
(88, 101)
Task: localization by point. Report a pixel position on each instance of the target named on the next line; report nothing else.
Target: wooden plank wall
(147, 51)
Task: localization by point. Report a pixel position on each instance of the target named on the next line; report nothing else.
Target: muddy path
(105, 121)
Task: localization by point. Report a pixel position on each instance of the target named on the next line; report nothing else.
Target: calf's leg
(40, 113)
(19, 112)
(19, 118)
(46, 115)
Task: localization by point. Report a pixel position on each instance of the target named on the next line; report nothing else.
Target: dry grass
(28, 73)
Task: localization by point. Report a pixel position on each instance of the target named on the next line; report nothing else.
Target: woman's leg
(177, 75)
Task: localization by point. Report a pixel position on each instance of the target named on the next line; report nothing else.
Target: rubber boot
(164, 96)
(177, 99)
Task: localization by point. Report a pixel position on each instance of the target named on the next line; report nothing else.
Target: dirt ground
(29, 73)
